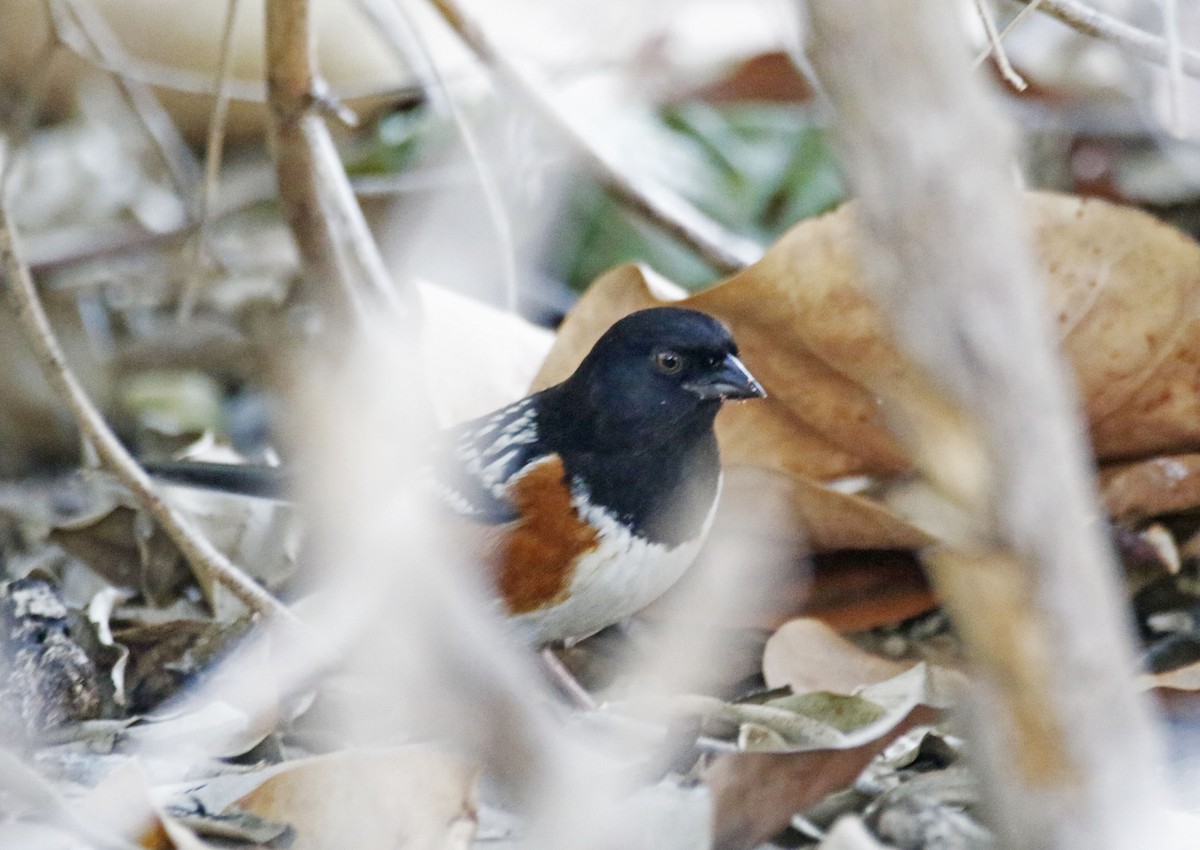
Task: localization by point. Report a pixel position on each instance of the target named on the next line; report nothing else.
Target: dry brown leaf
(756, 794)
(454, 330)
(1122, 288)
(807, 655)
(854, 591)
(246, 711)
(122, 805)
(1132, 492)
(390, 799)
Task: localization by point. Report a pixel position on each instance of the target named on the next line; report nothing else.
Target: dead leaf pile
(1122, 289)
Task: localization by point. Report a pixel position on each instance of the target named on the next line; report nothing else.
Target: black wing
(473, 463)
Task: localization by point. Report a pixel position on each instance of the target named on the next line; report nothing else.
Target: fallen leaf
(411, 798)
(164, 657)
(850, 833)
(1136, 491)
(121, 806)
(854, 591)
(810, 721)
(246, 712)
(454, 330)
(807, 655)
(116, 540)
(1122, 290)
(756, 794)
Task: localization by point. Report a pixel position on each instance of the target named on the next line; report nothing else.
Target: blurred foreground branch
(200, 553)
(1069, 748)
(724, 251)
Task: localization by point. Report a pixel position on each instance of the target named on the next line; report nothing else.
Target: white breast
(623, 575)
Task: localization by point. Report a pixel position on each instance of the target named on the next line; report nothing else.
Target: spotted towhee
(597, 493)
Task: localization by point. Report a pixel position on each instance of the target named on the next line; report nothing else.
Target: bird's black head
(655, 373)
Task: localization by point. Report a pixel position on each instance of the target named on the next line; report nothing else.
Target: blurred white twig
(1071, 753)
(20, 782)
(724, 251)
(1085, 19)
(200, 553)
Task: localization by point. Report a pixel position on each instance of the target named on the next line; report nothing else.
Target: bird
(596, 493)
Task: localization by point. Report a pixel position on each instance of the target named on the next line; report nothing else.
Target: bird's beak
(732, 380)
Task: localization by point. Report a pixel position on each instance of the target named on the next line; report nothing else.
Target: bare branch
(724, 251)
(339, 255)
(1083, 18)
(1071, 753)
(204, 558)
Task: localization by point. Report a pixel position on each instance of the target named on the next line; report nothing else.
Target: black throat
(658, 476)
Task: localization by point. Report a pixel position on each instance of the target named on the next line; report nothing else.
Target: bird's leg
(565, 680)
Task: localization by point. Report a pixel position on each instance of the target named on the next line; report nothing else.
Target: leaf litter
(832, 738)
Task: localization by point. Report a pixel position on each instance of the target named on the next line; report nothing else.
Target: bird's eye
(668, 362)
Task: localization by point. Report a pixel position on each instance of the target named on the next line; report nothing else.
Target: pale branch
(724, 251)
(214, 150)
(340, 257)
(1084, 19)
(204, 558)
(1070, 752)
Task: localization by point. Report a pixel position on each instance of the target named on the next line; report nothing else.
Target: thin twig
(1084, 19)
(1009, 27)
(200, 259)
(724, 251)
(394, 23)
(997, 49)
(204, 558)
(80, 26)
(339, 255)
